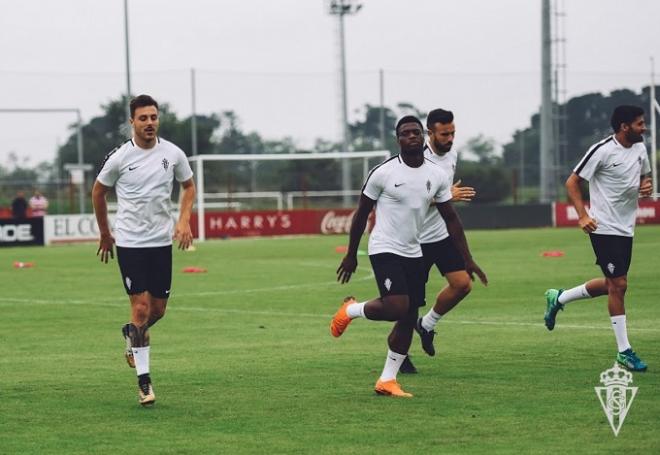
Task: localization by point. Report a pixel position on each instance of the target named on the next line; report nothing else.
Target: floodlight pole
(548, 181)
(79, 138)
(654, 109)
(128, 63)
(193, 117)
(81, 193)
(340, 8)
(381, 80)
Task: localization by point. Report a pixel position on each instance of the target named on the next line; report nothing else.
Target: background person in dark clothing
(19, 206)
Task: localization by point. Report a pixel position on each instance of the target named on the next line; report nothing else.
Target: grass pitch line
(445, 321)
(287, 287)
(7, 301)
(100, 301)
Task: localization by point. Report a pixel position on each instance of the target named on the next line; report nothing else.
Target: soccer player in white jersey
(401, 189)
(617, 169)
(143, 171)
(437, 246)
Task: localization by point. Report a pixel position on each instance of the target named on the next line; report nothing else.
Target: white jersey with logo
(143, 180)
(434, 228)
(614, 172)
(403, 195)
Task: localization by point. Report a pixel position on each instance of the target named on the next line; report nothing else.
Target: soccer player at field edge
(143, 170)
(437, 246)
(401, 188)
(617, 169)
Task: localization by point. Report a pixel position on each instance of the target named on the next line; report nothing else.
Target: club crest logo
(610, 267)
(166, 163)
(428, 186)
(616, 397)
(388, 283)
(128, 282)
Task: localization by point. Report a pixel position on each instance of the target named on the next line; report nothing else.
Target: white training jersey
(143, 180)
(614, 172)
(403, 195)
(434, 228)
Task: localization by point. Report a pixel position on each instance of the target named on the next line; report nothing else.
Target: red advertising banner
(647, 213)
(274, 222)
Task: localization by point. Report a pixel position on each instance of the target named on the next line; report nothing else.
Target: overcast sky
(274, 62)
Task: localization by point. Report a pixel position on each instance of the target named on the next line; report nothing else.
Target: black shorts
(399, 275)
(444, 255)
(146, 269)
(613, 253)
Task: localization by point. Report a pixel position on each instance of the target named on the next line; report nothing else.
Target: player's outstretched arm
(107, 241)
(358, 225)
(182, 231)
(455, 229)
(587, 224)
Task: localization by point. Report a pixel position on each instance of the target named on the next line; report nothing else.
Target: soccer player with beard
(437, 245)
(617, 169)
(143, 171)
(402, 189)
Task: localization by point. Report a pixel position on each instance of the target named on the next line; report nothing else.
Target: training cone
(552, 254)
(23, 265)
(194, 270)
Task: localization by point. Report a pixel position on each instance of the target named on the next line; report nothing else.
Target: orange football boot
(391, 388)
(341, 320)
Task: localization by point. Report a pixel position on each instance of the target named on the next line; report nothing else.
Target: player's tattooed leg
(139, 335)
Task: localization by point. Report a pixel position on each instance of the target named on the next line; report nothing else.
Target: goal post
(231, 197)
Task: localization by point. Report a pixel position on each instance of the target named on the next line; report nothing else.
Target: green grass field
(243, 362)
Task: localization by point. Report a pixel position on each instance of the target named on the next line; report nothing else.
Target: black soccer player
(401, 189)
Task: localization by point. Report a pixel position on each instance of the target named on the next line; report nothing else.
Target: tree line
(497, 176)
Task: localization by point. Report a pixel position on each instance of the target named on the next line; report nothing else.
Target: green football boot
(552, 306)
(629, 360)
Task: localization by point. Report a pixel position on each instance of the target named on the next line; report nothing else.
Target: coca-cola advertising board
(648, 212)
(274, 222)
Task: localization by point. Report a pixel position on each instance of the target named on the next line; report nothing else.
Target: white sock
(620, 332)
(577, 293)
(430, 319)
(393, 362)
(356, 310)
(141, 356)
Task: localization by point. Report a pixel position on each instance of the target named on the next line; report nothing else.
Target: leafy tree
(587, 121)
(366, 132)
(483, 148)
(409, 109)
(105, 132)
(11, 180)
(480, 167)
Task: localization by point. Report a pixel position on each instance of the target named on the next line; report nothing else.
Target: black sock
(144, 379)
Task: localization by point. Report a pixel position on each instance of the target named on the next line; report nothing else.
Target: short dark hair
(407, 119)
(141, 101)
(439, 116)
(624, 114)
